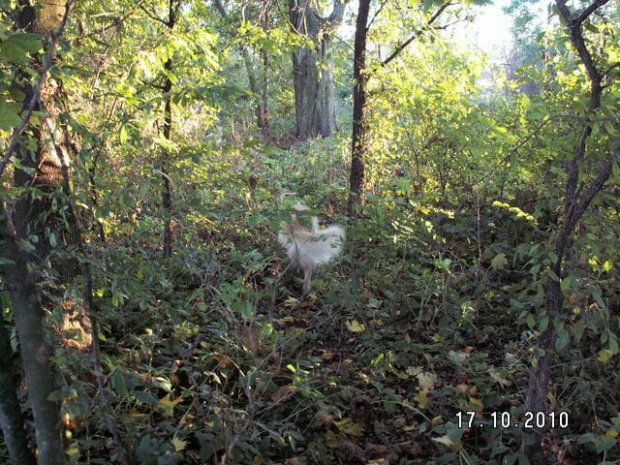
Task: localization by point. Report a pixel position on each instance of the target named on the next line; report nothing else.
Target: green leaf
(613, 342)
(578, 329)
(601, 443)
(19, 47)
(562, 341)
(9, 114)
(531, 321)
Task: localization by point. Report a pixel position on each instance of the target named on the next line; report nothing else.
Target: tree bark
(38, 213)
(173, 7)
(313, 79)
(167, 192)
(262, 107)
(35, 351)
(11, 418)
(360, 77)
(47, 165)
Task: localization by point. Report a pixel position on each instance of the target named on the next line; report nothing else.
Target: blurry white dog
(309, 248)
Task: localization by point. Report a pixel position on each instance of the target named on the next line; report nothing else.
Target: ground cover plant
(151, 152)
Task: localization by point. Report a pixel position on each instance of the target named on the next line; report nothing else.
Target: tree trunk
(39, 214)
(167, 192)
(313, 79)
(11, 419)
(34, 349)
(360, 77)
(47, 165)
(579, 195)
(262, 107)
(173, 8)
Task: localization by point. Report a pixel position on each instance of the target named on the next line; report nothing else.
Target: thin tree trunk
(263, 105)
(360, 76)
(94, 198)
(578, 199)
(358, 144)
(11, 418)
(173, 7)
(259, 93)
(167, 193)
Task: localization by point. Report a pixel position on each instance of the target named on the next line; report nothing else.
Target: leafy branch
(47, 65)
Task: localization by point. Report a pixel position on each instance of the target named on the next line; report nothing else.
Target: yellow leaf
(178, 444)
(291, 302)
(438, 420)
(499, 262)
(475, 404)
(349, 427)
(446, 441)
(422, 399)
(605, 355)
(355, 326)
(168, 404)
(427, 381)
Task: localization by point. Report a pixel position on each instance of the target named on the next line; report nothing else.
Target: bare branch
(153, 16)
(372, 20)
(581, 17)
(116, 21)
(221, 10)
(417, 33)
(593, 189)
(573, 24)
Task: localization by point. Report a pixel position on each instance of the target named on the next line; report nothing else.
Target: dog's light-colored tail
(310, 248)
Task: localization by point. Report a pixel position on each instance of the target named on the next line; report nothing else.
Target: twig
(416, 34)
(578, 19)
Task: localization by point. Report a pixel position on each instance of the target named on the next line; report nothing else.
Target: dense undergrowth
(211, 356)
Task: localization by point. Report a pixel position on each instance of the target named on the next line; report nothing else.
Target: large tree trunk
(312, 70)
(46, 173)
(39, 217)
(360, 77)
(34, 348)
